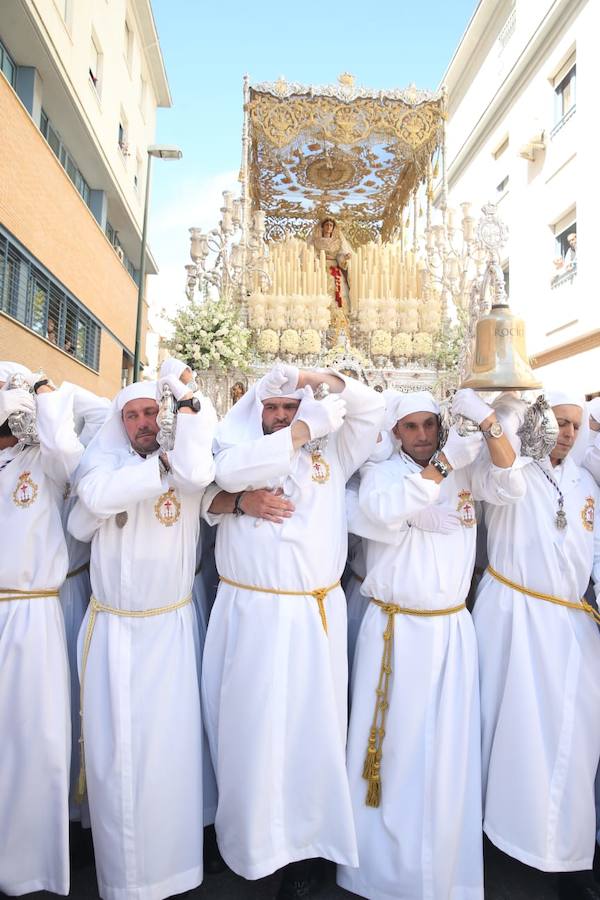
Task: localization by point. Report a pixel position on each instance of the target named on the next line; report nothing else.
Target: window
(564, 90)
(95, 65)
(123, 135)
(8, 65)
(64, 157)
(566, 243)
(128, 45)
(113, 236)
(564, 263)
(31, 296)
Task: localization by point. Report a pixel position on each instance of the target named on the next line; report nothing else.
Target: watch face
(496, 430)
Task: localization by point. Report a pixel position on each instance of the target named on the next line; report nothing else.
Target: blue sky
(208, 45)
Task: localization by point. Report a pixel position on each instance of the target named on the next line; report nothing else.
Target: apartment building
(80, 85)
(522, 132)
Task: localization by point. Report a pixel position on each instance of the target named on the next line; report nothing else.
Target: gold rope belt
(372, 764)
(16, 594)
(78, 571)
(319, 594)
(96, 607)
(582, 605)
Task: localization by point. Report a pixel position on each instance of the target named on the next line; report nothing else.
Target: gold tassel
(369, 763)
(81, 785)
(374, 790)
(436, 169)
(420, 211)
(407, 223)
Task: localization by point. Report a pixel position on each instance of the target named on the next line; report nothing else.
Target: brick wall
(40, 206)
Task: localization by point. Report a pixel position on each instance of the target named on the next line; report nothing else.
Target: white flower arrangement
(430, 316)
(422, 344)
(268, 341)
(209, 335)
(408, 315)
(402, 345)
(310, 341)
(381, 342)
(289, 341)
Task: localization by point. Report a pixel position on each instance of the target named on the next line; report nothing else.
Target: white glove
(461, 451)
(322, 416)
(439, 519)
(281, 381)
(466, 403)
(178, 388)
(15, 400)
(594, 411)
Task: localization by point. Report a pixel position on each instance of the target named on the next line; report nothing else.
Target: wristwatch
(237, 509)
(41, 383)
(495, 430)
(193, 403)
(439, 465)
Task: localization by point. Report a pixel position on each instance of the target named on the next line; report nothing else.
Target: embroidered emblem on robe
(320, 468)
(26, 491)
(167, 508)
(466, 508)
(587, 514)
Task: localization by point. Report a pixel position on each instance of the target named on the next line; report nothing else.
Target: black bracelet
(40, 384)
(237, 509)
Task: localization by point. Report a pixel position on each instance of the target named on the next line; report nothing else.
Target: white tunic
(540, 675)
(274, 683)
(141, 710)
(424, 840)
(34, 680)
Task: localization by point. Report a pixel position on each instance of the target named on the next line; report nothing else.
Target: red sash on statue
(337, 277)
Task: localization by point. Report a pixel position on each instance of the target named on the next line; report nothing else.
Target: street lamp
(161, 151)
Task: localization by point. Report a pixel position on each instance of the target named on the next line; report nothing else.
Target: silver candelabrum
(219, 261)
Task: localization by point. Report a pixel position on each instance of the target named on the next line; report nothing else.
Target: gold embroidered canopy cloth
(355, 154)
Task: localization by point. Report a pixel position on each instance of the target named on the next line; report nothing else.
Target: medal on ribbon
(25, 492)
(167, 508)
(587, 514)
(320, 468)
(466, 508)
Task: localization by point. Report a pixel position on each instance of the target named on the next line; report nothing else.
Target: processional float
(400, 283)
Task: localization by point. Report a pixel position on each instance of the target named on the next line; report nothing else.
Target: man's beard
(271, 429)
(145, 449)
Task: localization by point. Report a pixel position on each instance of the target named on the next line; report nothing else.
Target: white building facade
(521, 132)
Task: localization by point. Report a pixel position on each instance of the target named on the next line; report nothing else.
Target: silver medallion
(121, 519)
(561, 519)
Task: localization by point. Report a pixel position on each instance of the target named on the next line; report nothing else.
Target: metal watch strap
(237, 509)
(438, 465)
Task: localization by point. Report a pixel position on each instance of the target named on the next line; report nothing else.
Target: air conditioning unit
(120, 254)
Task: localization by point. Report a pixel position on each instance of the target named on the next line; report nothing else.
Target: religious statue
(328, 237)
(237, 392)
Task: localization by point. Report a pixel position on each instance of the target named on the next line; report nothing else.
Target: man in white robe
(34, 672)
(414, 745)
(89, 413)
(274, 674)
(591, 458)
(138, 660)
(539, 652)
